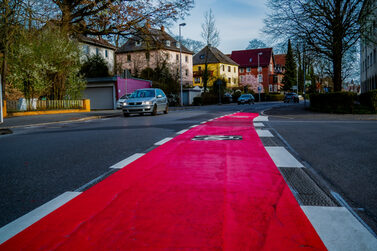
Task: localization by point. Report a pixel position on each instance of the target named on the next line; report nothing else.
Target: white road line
(203, 122)
(193, 126)
(127, 161)
(16, 226)
(261, 118)
(258, 125)
(162, 141)
(264, 133)
(281, 157)
(182, 131)
(338, 229)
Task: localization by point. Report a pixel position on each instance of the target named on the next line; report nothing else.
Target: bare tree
(328, 28)
(210, 34)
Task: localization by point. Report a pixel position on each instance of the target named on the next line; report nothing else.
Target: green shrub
(369, 99)
(333, 102)
(197, 101)
(209, 98)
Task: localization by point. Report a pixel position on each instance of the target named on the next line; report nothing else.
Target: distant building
(218, 65)
(100, 47)
(279, 70)
(152, 48)
(267, 80)
(368, 55)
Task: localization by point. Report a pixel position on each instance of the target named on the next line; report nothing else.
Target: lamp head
(182, 24)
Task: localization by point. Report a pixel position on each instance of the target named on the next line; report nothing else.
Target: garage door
(100, 97)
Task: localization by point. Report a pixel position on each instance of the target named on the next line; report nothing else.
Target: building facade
(218, 65)
(279, 71)
(257, 69)
(152, 49)
(368, 51)
(100, 47)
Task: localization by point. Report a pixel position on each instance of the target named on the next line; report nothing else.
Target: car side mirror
(159, 96)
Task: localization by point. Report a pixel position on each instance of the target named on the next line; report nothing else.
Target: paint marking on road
(18, 225)
(258, 124)
(193, 126)
(261, 118)
(338, 229)
(203, 122)
(161, 142)
(182, 131)
(264, 133)
(127, 161)
(281, 157)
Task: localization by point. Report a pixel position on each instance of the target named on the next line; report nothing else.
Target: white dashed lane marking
(161, 142)
(127, 161)
(258, 125)
(281, 157)
(18, 225)
(182, 131)
(261, 118)
(264, 133)
(338, 229)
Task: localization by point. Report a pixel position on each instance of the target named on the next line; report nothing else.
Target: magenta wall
(132, 85)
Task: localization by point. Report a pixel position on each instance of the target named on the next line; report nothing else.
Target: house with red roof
(279, 70)
(252, 76)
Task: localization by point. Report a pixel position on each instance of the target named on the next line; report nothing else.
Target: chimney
(162, 28)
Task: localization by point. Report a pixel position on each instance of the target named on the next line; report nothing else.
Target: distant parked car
(246, 99)
(121, 100)
(228, 98)
(291, 96)
(148, 100)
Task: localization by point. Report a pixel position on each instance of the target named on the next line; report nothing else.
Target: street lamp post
(259, 54)
(180, 60)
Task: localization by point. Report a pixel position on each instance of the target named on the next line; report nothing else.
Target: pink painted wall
(132, 85)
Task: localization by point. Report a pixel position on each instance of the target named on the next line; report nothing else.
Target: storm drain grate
(307, 192)
(217, 137)
(270, 141)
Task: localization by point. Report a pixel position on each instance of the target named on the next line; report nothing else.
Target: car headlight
(123, 104)
(147, 102)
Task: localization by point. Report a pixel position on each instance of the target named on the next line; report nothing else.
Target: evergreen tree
(289, 79)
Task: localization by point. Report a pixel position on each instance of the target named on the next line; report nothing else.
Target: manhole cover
(217, 137)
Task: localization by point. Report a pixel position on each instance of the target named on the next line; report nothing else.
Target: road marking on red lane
(127, 161)
(184, 194)
(182, 131)
(16, 226)
(261, 118)
(339, 229)
(163, 141)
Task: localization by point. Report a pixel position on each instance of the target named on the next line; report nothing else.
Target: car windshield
(142, 94)
(125, 96)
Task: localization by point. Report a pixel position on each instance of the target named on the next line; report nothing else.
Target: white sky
(238, 22)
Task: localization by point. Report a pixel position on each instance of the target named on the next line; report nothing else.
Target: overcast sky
(238, 22)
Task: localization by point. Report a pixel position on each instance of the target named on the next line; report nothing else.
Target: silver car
(149, 100)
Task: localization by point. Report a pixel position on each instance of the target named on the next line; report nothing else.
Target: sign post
(1, 102)
(259, 90)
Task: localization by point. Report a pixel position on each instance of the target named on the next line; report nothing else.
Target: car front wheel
(154, 112)
(166, 109)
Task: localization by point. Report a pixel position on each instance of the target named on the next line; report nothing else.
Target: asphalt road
(341, 150)
(39, 163)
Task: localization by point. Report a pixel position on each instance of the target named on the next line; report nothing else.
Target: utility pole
(180, 59)
(303, 63)
(1, 102)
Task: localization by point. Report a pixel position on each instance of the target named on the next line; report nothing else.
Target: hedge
(369, 99)
(333, 102)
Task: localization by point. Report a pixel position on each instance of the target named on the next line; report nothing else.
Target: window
(199, 68)
(138, 43)
(228, 68)
(229, 80)
(97, 51)
(223, 67)
(251, 60)
(167, 43)
(106, 54)
(197, 80)
(178, 44)
(86, 48)
(186, 72)
(241, 70)
(201, 56)
(128, 58)
(260, 78)
(248, 69)
(147, 56)
(234, 69)
(186, 59)
(177, 57)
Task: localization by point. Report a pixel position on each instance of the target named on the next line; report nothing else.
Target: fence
(43, 105)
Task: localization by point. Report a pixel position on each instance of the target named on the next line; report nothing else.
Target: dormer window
(178, 44)
(201, 56)
(167, 43)
(251, 60)
(138, 43)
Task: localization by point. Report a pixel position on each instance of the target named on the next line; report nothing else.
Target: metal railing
(42, 105)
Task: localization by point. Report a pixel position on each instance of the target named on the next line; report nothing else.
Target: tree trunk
(337, 50)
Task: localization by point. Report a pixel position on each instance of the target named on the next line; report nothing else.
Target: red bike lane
(186, 194)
